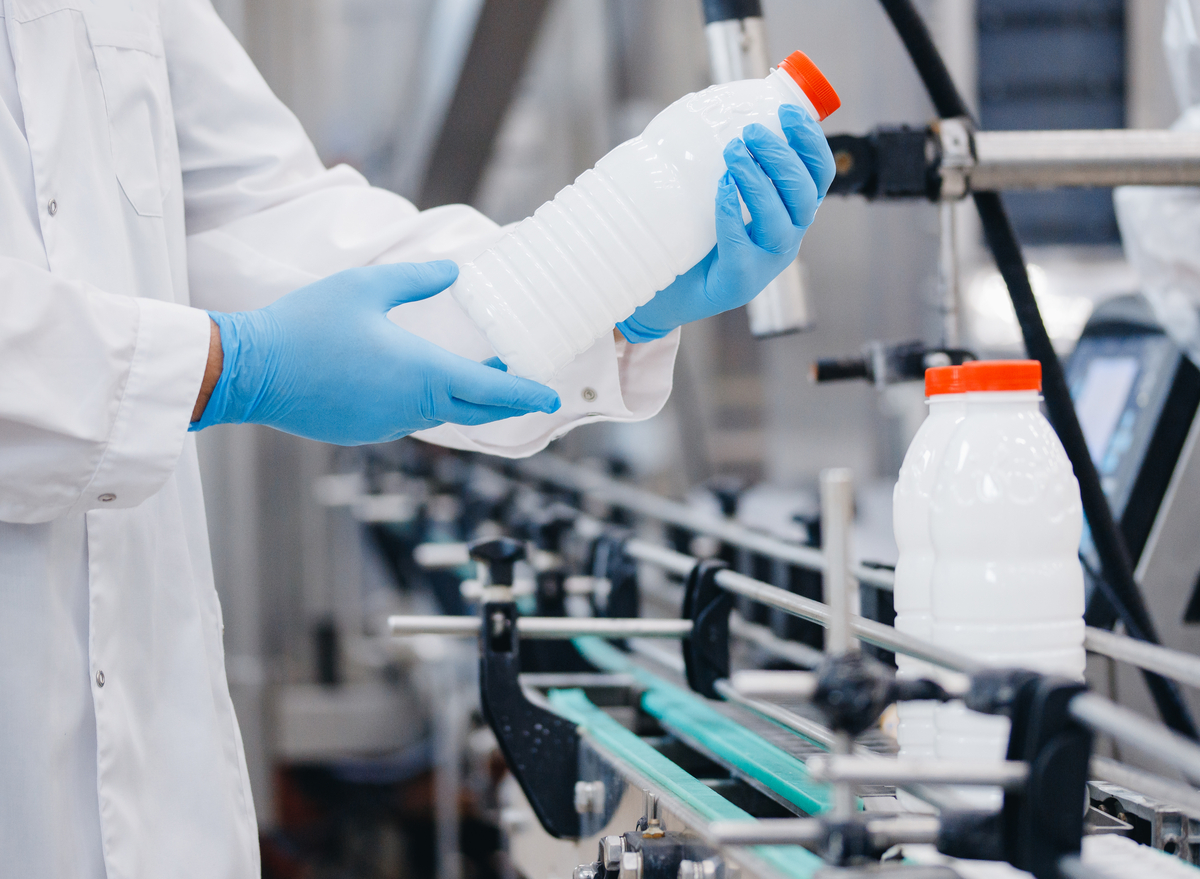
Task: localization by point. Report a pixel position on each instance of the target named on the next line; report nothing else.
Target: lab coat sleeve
(265, 217)
(96, 391)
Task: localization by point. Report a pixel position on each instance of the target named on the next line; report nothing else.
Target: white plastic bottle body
(624, 230)
(1007, 586)
(911, 502)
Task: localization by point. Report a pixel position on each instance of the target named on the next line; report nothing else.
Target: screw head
(611, 849)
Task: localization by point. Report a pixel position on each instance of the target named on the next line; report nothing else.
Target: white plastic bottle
(1005, 521)
(911, 502)
(625, 229)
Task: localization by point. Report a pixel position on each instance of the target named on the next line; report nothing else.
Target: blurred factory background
(391, 87)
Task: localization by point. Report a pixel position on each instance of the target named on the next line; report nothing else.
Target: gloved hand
(782, 185)
(324, 362)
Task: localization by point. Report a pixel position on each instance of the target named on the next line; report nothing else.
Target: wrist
(637, 332)
(217, 406)
(212, 371)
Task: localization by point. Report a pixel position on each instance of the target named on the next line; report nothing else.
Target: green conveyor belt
(791, 861)
(694, 719)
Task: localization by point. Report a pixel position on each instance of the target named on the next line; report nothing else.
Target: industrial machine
(671, 736)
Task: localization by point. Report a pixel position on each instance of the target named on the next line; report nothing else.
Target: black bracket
(1042, 821)
(610, 561)
(541, 748)
(706, 650)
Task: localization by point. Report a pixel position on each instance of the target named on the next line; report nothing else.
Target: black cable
(1006, 250)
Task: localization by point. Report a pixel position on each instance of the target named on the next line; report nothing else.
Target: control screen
(1102, 398)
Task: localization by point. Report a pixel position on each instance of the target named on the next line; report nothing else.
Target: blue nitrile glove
(325, 362)
(782, 185)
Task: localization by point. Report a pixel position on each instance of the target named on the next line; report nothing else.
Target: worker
(173, 255)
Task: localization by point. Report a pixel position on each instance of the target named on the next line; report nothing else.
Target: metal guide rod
(1164, 789)
(545, 628)
(900, 770)
(940, 798)
(814, 611)
(884, 832)
(1131, 729)
(837, 511)
(1114, 157)
(552, 469)
(762, 637)
(1183, 667)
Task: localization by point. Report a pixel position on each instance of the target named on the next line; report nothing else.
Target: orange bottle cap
(813, 83)
(943, 380)
(1002, 375)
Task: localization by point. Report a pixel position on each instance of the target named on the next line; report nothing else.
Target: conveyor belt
(793, 862)
(693, 720)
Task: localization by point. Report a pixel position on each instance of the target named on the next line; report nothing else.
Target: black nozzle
(552, 525)
(500, 554)
(724, 10)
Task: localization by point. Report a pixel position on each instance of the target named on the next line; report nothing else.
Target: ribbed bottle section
(564, 277)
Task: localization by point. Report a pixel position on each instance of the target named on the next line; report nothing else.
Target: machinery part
(540, 748)
(501, 555)
(1182, 667)
(837, 516)
(998, 231)
(853, 690)
(1043, 820)
(544, 628)
(550, 594)
(950, 160)
(737, 49)
(867, 630)
(610, 561)
(590, 797)
(504, 36)
(901, 771)
(883, 364)
(548, 468)
(706, 649)
(883, 833)
(1134, 730)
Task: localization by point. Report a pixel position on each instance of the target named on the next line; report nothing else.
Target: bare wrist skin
(212, 370)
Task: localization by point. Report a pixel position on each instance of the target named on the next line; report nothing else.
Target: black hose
(1006, 250)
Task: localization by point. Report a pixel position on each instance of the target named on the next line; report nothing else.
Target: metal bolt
(589, 395)
(107, 498)
(589, 797)
(709, 868)
(631, 866)
(611, 849)
(52, 207)
(653, 828)
(585, 871)
(100, 679)
(499, 624)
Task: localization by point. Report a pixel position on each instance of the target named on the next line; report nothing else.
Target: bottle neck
(1013, 399)
(944, 399)
(784, 80)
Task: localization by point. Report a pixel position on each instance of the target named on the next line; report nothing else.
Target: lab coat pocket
(134, 79)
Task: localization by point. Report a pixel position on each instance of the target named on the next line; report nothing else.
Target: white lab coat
(140, 155)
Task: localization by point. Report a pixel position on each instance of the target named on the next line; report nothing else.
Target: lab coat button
(52, 207)
(107, 497)
(99, 679)
(589, 394)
